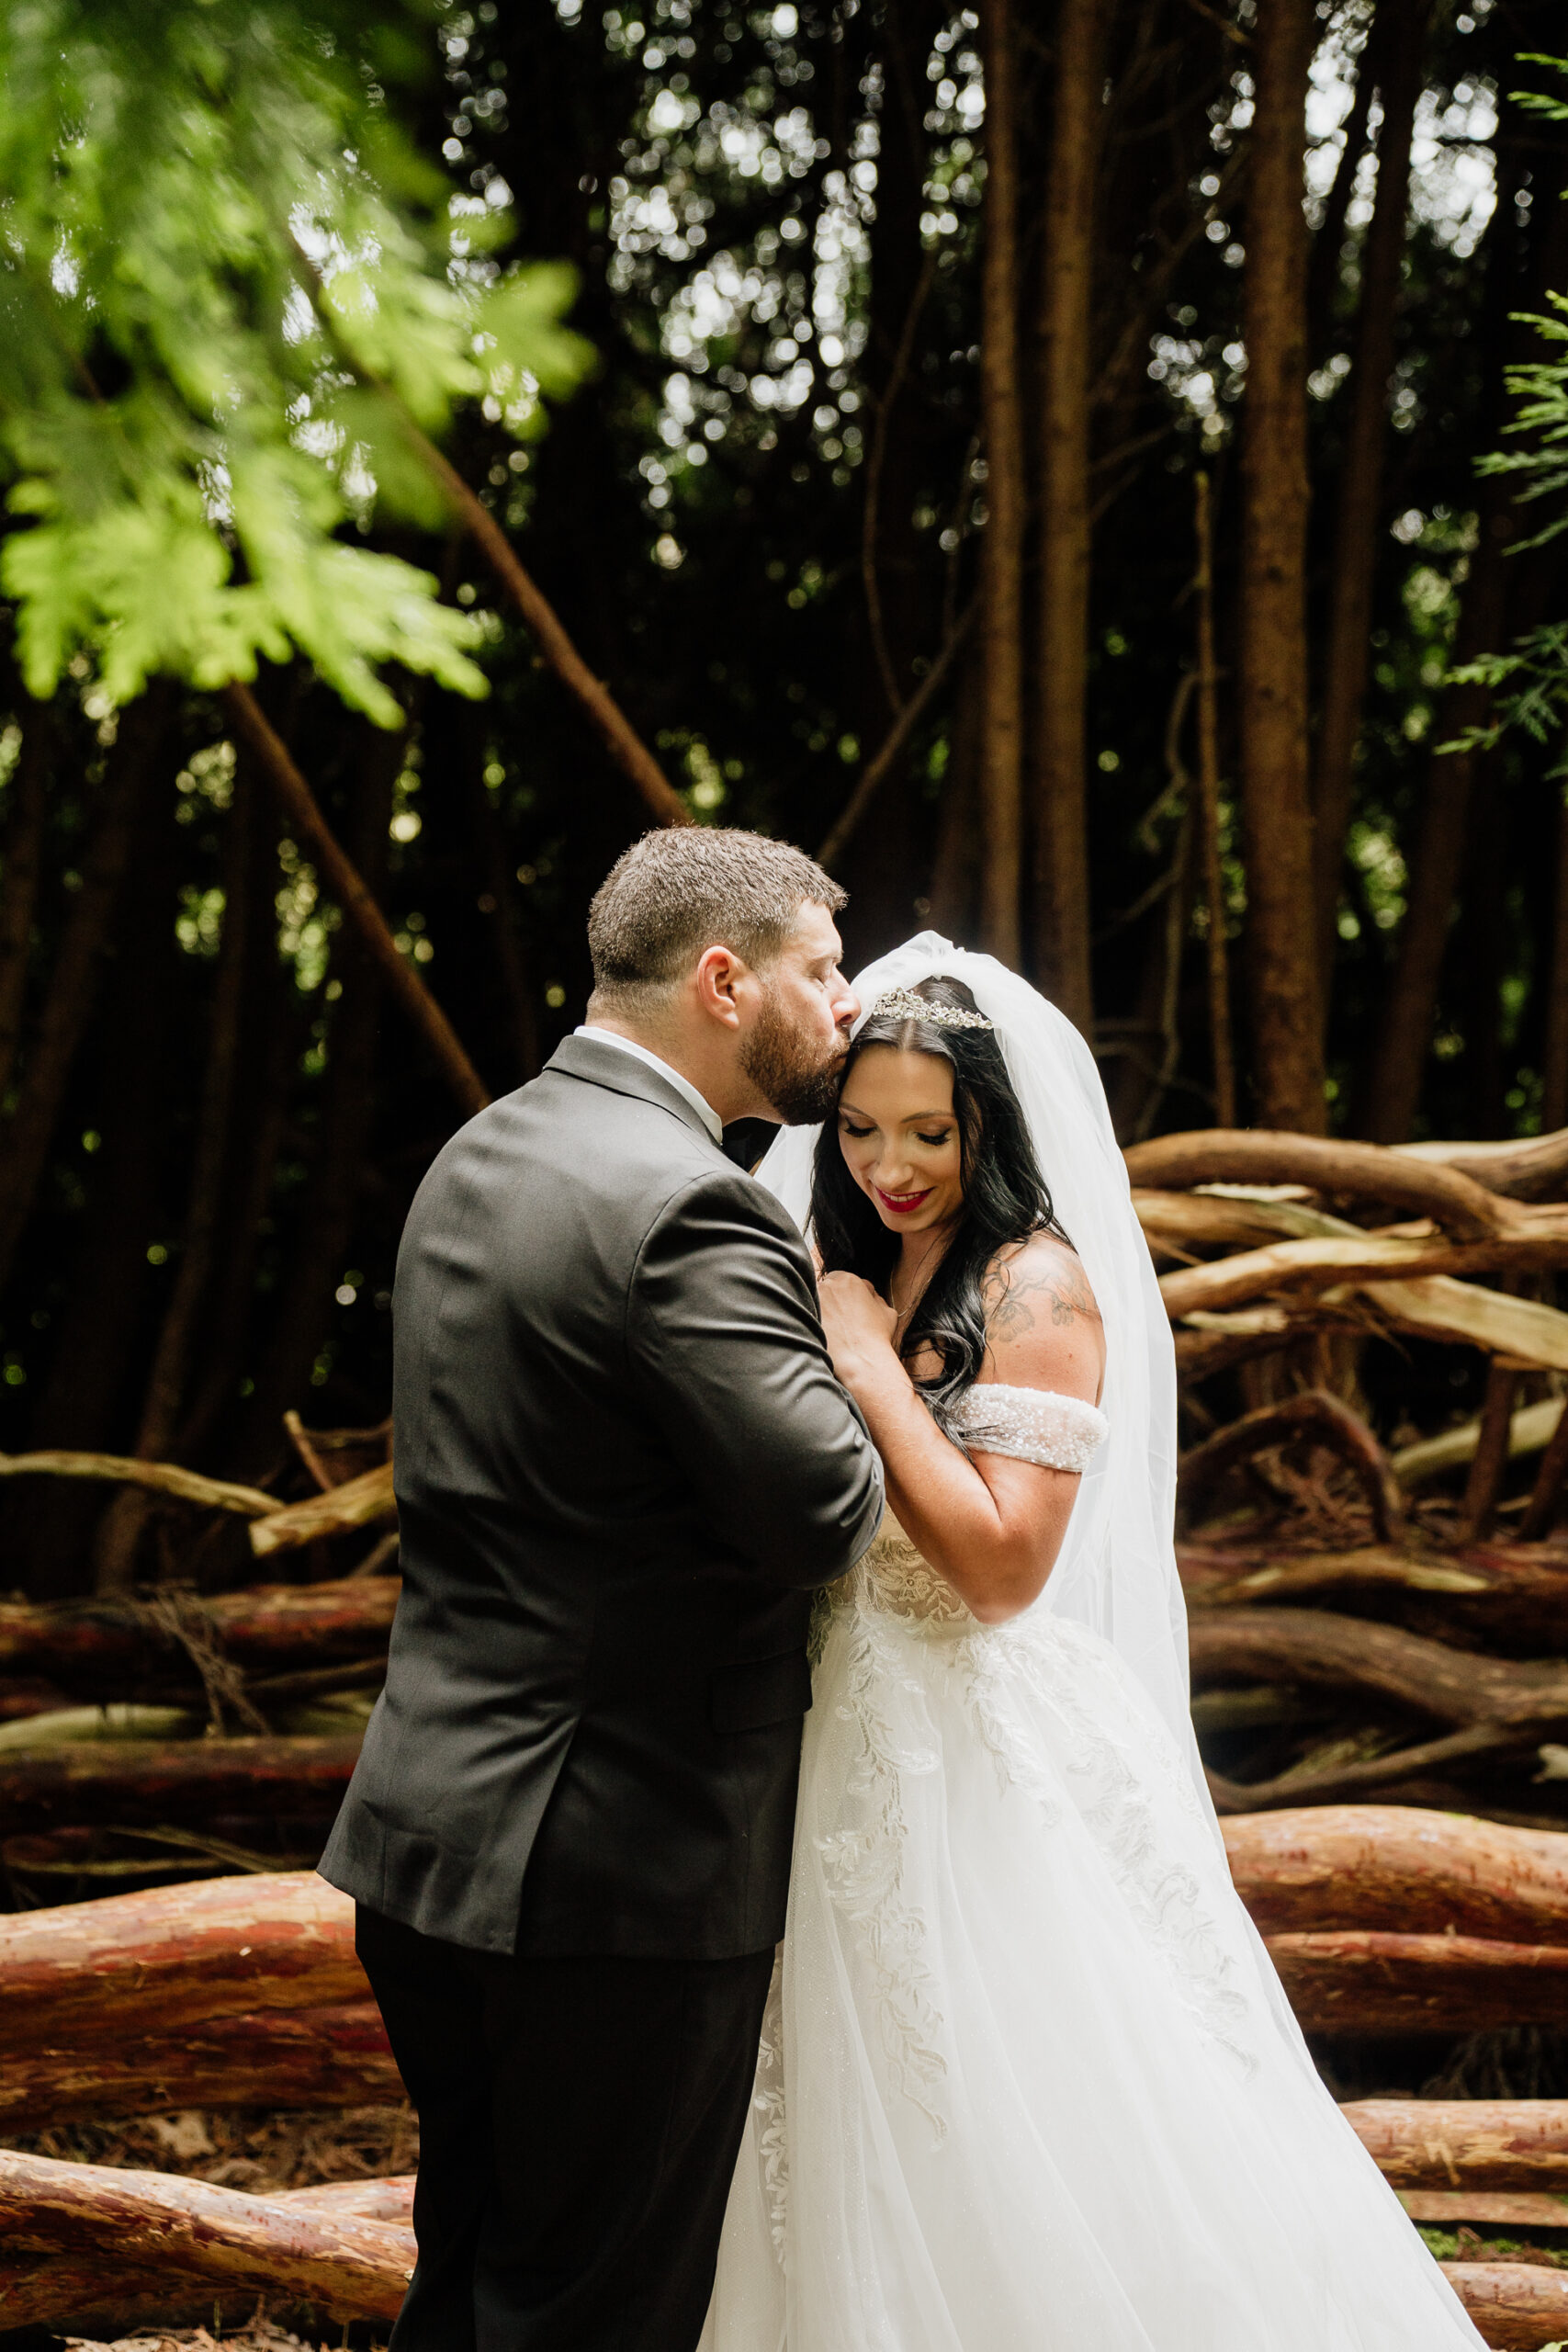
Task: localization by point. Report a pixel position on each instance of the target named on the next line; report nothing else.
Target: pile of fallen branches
(1369, 1610)
(246, 1991)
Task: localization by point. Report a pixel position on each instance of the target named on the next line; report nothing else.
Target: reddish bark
(161, 2222)
(1397, 1867)
(1065, 533)
(81, 1640)
(1481, 2143)
(1313, 1649)
(91, 1973)
(159, 1780)
(1002, 621)
(1368, 1980)
(1280, 941)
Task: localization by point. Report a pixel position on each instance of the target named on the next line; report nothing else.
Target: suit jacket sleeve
(726, 1344)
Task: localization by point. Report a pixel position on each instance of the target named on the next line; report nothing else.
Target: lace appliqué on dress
(1031, 1425)
(768, 2103)
(863, 1861)
(1067, 1665)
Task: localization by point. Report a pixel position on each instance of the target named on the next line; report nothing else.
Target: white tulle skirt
(1028, 2082)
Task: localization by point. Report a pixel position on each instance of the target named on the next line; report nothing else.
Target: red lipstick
(902, 1205)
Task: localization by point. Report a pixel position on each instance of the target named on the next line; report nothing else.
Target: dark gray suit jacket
(622, 1463)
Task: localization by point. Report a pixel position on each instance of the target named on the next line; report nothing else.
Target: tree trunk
(1395, 1867)
(127, 1516)
(1359, 535)
(1328, 244)
(134, 1781)
(1516, 2306)
(884, 869)
(342, 881)
(1368, 1981)
(1288, 1070)
(1066, 321)
(1002, 625)
(83, 1403)
(23, 860)
(129, 780)
(94, 1645)
(1483, 2142)
(1399, 1065)
(1392, 1087)
(91, 1973)
(1555, 1053)
(270, 1042)
(1216, 947)
(164, 2222)
(317, 1256)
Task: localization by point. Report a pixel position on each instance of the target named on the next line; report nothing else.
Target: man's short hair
(688, 888)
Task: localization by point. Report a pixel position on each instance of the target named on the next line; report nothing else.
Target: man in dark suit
(623, 1463)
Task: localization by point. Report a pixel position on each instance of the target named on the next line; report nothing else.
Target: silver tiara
(903, 1004)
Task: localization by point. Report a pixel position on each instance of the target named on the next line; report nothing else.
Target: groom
(623, 1463)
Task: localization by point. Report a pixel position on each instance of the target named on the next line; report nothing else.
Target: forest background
(1034, 454)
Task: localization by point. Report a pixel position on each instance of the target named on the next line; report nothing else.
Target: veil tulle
(1116, 1571)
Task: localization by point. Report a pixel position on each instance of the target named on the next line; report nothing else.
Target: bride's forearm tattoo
(1012, 1297)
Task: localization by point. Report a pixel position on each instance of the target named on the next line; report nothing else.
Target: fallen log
(38, 2289)
(1492, 2207)
(1315, 1414)
(275, 2058)
(1366, 1981)
(1529, 1430)
(157, 1781)
(166, 2225)
(1318, 1648)
(1503, 2144)
(1534, 1170)
(100, 1642)
(155, 1478)
(1516, 2306)
(1395, 1867)
(1400, 1774)
(1433, 1307)
(372, 2200)
(356, 1503)
(1503, 1595)
(149, 1962)
(1361, 1172)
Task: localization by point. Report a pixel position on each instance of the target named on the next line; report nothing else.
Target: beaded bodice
(1028, 1424)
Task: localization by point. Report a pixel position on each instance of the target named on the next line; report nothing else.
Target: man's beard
(788, 1072)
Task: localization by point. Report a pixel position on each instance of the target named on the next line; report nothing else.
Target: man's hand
(859, 1325)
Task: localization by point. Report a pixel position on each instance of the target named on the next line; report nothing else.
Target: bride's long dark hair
(1006, 1197)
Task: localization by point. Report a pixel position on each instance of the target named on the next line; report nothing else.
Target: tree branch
(344, 882)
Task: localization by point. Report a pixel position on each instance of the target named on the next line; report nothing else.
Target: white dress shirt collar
(699, 1103)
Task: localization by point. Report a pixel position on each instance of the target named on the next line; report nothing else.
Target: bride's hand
(859, 1325)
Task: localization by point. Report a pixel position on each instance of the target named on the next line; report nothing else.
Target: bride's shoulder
(1043, 1325)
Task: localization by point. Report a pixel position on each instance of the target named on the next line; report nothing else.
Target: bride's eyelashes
(847, 1126)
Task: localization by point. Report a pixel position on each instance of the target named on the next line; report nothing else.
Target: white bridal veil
(1116, 1572)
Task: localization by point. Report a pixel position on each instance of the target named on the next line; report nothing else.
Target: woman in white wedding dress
(1028, 2081)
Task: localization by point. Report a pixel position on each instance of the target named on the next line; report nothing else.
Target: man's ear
(720, 977)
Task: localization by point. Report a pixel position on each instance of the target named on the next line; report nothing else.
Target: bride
(1028, 2082)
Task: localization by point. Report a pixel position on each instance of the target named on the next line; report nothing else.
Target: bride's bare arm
(992, 1525)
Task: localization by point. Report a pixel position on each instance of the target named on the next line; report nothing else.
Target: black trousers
(579, 2125)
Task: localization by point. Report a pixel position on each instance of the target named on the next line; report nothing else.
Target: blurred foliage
(228, 279)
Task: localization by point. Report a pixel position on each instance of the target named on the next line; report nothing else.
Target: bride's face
(900, 1138)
